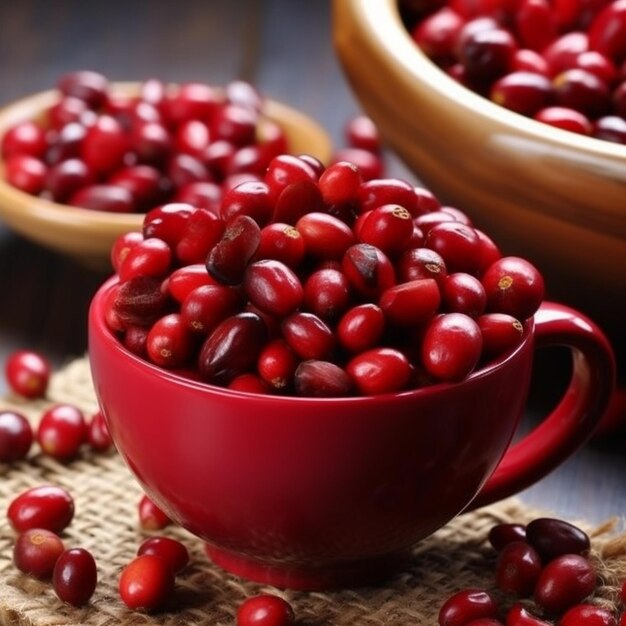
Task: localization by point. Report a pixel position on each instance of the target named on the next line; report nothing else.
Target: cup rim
(97, 325)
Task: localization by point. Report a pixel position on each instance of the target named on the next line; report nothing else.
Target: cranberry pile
(315, 282)
(545, 567)
(100, 149)
(562, 62)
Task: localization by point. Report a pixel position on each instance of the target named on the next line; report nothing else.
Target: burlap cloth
(105, 523)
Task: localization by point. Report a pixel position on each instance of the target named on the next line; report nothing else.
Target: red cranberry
(249, 383)
(420, 263)
(16, 437)
(62, 431)
(327, 293)
(89, 86)
(554, 537)
(520, 616)
(463, 293)
(296, 200)
(201, 194)
(467, 605)
(173, 552)
(368, 270)
(184, 169)
(607, 32)
(98, 434)
(181, 282)
(47, 506)
(272, 287)
(105, 145)
(67, 177)
(109, 198)
(536, 24)
(285, 170)
(143, 183)
(282, 242)
(265, 610)
(325, 237)
(207, 305)
(75, 576)
(380, 191)
(610, 128)
(518, 568)
(502, 534)
(561, 53)
(565, 118)
(26, 173)
(411, 303)
(27, 373)
(361, 132)
(581, 90)
(370, 164)
(340, 183)
(138, 302)
(308, 336)
(170, 342)
(68, 110)
(379, 370)
(522, 92)
(587, 615)
(149, 258)
(277, 364)
(458, 245)
(202, 230)
(500, 332)
(388, 227)
(36, 551)
(361, 327)
(451, 347)
(25, 138)
(251, 198)
(151, 143)
(146, 583)
(322, 379)
(193, 100)
(437, 34)
(530, 61)
(488, 54)
(564, 582)
(513, 286)
(151, 517)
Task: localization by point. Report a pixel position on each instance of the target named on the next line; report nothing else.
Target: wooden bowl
(554, 197)
(88, 235)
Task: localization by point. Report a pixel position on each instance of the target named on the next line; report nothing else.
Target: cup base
(352, 574)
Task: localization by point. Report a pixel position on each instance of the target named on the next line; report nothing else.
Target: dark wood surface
(285, 48)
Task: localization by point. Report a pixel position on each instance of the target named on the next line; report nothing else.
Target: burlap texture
(105, 523)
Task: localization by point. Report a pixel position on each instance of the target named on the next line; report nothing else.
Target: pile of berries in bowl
(552, 196)
(314, 282)
(119, 149)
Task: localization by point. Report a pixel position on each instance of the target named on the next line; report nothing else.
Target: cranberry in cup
(341, 405)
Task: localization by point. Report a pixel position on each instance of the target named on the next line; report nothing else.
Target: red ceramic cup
(316, 493)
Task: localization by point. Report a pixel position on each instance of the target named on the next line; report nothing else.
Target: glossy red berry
(265, 610)
(361, 327)
(26, 173)
(16, 436)
(277, 364)
(25, 138)
(502, 534)
(463, 293)
(98, 435)
(457, 243)
(518, 615)
(340, 183)
(48, 507)
(518, 568)
(281, 242)
(587, 615)
(146, 583)
(325, 237)
(27, 373)
(36, 551)
(62, 431)
(327, 294)
(555, 537)
(565, 118)
(565, 581)
(322, 379)
(410, 304)
(105, 145)
(170, 341)
(379, 370)
(500, 332)
(273, 287)
(75, 576)
(361, 132)
(467, 605)
(86, 85)
(308, 336)
(151, 517)
(173, 552)
(368, 270)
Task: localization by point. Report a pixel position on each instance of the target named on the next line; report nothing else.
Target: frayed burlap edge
(106, 496)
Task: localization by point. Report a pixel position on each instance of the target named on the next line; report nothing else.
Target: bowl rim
(97, 325)
(414, 61)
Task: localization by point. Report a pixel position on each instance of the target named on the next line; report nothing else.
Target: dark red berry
(75, 576)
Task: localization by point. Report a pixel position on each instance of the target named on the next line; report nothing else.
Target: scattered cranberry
(501, 535)
(150, 515)
(36, 551)
(46, 507)
(62, 431)
(467, 605)
(146, 583)
(518, 569)
(28, 373)
(587, 615)
(16, 436)
(98, 434)
(520, 616)
(173, 552)
(265, 610)
(554, 537)
(74, 577)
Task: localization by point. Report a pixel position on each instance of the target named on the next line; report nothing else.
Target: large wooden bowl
(554, 197)
(88, 235)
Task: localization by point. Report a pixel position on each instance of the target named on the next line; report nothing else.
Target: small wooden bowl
(554, 197)
(88, 235)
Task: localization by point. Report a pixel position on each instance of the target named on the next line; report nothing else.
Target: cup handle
(574, 419)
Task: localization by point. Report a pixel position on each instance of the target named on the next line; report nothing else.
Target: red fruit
(370, 164)
(451, 347)
(500, 332)
(232, 348)
(173, 552)
(234, 123)
(122, 246)
(327, 293)
(192, 137)
(206, 306)
(201, 194)
(361, 132)
(565, 118)
(98, 435)
(296, 200)
(437, 34)
(368, 270)
(518, 568)
(75, 576)
(325, 237)
(249, 383)
(36, 551)
(25, 138)
(89, 86)
(502, 534)
(530, 61)
(519, 616)
(191, 101)
(273, 288)
(149, 258)
(322, 379)
(308, 336)
(47, 506)
(419, 263)
(467, 605)
(583, 91)
(184, 169)
(151, 517)
(181, 282)
(513, 286)
(587, 615)
(142, 181)
(380, 191)
(285, 170)
(340, 183)
(230, 256)
(201, 232)
(27, 373)
(151, 143)
(16, 437)
(108, 198)
(610, 128)
(522, 92)
(536, 24)
(564, 582)
(281, 242)
(458, 245)
(463, 293)
(138, 302)
(62, 431)
(26, 173)
(561, 53)
(379, 370)
(488, 54)
(410, 304)
(388, 227)
(146, 583)
(554, 537)
(251, 198)
(277, 364)
(265, 610)
(105, 145)
(607, 32)
(170, 342)
(361, 327)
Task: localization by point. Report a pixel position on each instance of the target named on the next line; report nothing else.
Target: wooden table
(284, 47)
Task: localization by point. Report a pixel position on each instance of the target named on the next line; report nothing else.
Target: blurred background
(284, 48)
